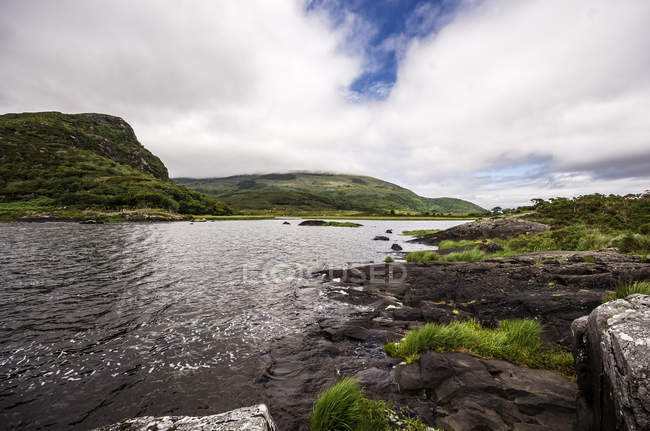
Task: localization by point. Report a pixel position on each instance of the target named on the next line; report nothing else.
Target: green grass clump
(420, 232)
(343, 407)
(338, 408)
(447, 244)
(625, 290)
(464, 256)
(516, 341)
(632, 242)
(422, 256)
(389, 259)
(341, 224)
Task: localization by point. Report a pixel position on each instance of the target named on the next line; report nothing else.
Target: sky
(497, 102)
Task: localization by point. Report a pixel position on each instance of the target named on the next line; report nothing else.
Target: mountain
(314, 192)
(51, 162)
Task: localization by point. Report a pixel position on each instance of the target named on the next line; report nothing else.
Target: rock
(381, 238)
(286, 222)
(490, 247)
(612, 355)
(396, 247)
(312, 223)
(487, 228)
(389, 230)
(254, 418)
(88, 222)
(469, 393)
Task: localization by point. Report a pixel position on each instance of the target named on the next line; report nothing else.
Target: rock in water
(286, 222)
(312, 223)
(396, 247)
(381, 238)
(389, 230)
(612, 355)
(254, 418)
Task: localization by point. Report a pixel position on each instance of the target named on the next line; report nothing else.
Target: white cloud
(220, 88)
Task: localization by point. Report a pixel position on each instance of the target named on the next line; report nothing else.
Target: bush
(627, 289)
(517, 341)
(631, 242)
(389, 259)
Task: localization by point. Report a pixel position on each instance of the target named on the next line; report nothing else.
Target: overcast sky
(497, 102)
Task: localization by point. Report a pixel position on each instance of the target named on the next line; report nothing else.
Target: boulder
(254, 418)
(612, 357)
(490, 247)
(286, 222)
(389, 230)
(461, 392)
(312, 223)
(482, 229)
(396, 247)
(381, 238)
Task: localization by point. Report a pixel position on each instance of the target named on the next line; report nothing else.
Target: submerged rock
(254, 418)
(389, 230)
(381, 238)
(396, 247)
(286, 222)
(488, 228)
(612, 354)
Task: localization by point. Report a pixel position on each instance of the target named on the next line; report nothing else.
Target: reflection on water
(98, 323)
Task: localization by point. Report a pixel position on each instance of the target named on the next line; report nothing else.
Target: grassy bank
(516, 341)
(627, 289)
(343, 407)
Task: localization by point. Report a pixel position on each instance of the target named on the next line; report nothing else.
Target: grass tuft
(625, 290)
(447, 244)
(420, 232)
(389, 259)
(516, 341)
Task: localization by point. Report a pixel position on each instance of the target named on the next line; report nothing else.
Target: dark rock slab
(312, 223)
(396, 247)
(612, 353)
(381, 238)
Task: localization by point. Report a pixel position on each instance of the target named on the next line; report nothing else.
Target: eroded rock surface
(484, 229)
(254, 418)
(612, 351)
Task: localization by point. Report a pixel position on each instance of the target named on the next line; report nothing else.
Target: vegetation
(627, 289)
(343, 407)
(460, 256)
(420, 232)
(341, 224)
(630, 212)
(62, 164)
(448, 244)
(516, 341)
(389, 259)
(321, 193)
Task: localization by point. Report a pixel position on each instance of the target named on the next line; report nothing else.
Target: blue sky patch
(381, 30)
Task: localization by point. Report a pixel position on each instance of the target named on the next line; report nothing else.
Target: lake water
(103, 322)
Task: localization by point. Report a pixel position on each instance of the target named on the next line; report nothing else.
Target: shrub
(517, 341)
(631, 242)
(389, 259)
(627, 289)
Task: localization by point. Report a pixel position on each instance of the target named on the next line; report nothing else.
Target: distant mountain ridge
(306, 191)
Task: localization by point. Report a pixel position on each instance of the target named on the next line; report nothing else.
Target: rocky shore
(454, 391)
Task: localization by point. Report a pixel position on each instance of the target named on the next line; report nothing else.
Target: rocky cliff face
(46, 138)
(612, 354)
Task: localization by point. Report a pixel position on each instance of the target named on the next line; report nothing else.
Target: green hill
(312, 193)
(54, 163)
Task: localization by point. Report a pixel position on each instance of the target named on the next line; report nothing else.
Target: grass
(516, 341)
(447, 244)
(420, 232)
(627, 289)
(472, 255)
(341, 224)
(343, 407)
(389, 259)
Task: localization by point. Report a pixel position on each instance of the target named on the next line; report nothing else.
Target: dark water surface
(103, 322)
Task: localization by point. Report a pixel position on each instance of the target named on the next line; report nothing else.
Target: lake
(103, 322)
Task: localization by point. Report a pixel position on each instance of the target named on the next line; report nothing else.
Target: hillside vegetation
(294, 193)
(62, 164)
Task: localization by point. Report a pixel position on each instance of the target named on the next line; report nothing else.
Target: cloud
(221, 88)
